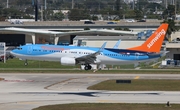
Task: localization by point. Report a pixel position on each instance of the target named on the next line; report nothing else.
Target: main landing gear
(25, 63)
(87, 67)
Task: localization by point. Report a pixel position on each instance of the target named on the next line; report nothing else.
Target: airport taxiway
(28, 91)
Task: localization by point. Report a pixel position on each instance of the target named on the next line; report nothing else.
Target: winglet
(154, 42)
(117, 44)
(102, 47)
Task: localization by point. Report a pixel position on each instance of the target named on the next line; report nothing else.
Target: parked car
(16, 22)
(111, 22)
(141, 20)
(89, 22)
(130, 20)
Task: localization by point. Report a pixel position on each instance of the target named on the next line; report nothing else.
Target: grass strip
(138, 85)
(74, 71)
(17, 66)
(55, 70)
(109, 106)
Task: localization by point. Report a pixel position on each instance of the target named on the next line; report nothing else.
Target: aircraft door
(29, 50)
(136, 56)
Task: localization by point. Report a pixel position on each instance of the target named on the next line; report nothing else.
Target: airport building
(173, 47)
(87, 40)
(13, 39)
(97, 41)
(173, 51)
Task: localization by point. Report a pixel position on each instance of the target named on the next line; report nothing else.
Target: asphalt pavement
(28, 91)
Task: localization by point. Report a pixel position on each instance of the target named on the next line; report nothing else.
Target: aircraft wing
(56, 33)
(91, 58)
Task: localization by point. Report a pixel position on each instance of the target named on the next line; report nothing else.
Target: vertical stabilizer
(154, 42)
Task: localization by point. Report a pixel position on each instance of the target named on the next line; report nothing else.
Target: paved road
(80, 25)
(27, 91)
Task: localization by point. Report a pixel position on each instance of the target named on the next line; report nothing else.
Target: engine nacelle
(67, 61)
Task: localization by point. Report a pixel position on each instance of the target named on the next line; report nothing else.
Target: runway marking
(137, 77)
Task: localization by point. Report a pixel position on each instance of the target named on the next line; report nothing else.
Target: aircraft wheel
(86, 68)
(89, 67)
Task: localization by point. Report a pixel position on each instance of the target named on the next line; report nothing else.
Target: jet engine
(67, 61)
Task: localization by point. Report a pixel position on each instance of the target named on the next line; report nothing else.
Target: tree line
(87, 9)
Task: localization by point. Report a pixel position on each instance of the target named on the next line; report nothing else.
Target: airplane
(72, 55)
